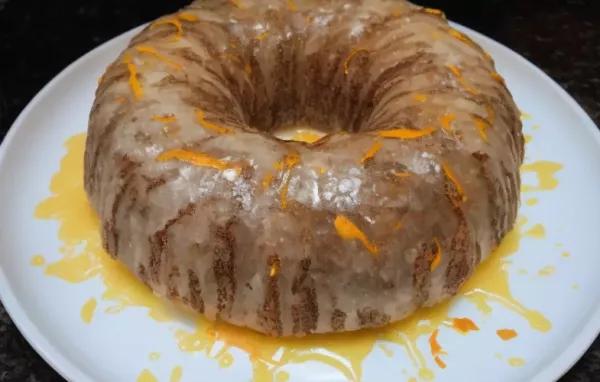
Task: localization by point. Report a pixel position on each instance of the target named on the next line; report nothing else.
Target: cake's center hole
(299, 134)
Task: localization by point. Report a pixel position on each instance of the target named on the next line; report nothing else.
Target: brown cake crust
(416, 183)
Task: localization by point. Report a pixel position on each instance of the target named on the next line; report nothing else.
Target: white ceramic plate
(563, 216)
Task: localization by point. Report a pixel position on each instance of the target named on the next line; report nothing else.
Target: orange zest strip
(480, 124)
(211, 126)
(438, 255)
(197, 159)
(173, 21)
(407, 133)
(487, 56)
(436, 12)
(440, 363)
(434, 345)
(188, 17)
(461, 36)
(133, 81)
(455, 70)
(274, 270)
(267, 181)
(466, 85)
(496, 76)
(402, 174)
(283, 193)
(464, 325)
(262, 36)
(450, 175)
(420, 97)
(347, 230)
(371, 153)
(490, 113)
(506, 334)
(352, 54)
(152, 51)
(291, 5)
(167, 118)
(446, 121)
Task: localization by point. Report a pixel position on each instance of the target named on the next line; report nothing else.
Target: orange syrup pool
(82, 258)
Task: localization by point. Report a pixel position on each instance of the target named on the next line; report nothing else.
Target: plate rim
(553, 371)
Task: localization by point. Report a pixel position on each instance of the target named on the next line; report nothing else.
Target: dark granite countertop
(39, 38)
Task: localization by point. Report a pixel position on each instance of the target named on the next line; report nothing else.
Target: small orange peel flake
(506, 334)
(481, 125)
(404, 133)
(464, 325)
(347, 230)
(372, 151)
(434, 345)
(188, 17)
(446, 121)
(166, 118)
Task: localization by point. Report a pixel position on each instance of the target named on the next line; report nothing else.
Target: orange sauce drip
(267, 181)
(188, 17)
(134, 84)
(167, 118)
(407, 133)
(496, 76)
(452, 177)
(420, 97)
(153, 52)
(211, 126)
(173, 21)
(446, 121)
(481, 124)
(464, 325)
(371, 153)
(262, 36)
(461, 36)
(402, 174)
(506, 334)
(438, 255)
(347, 230)
(305, 136)
(350, 56)
(197, 159)
(454, 69)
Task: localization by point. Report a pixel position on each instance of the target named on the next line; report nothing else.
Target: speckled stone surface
(39, 38)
